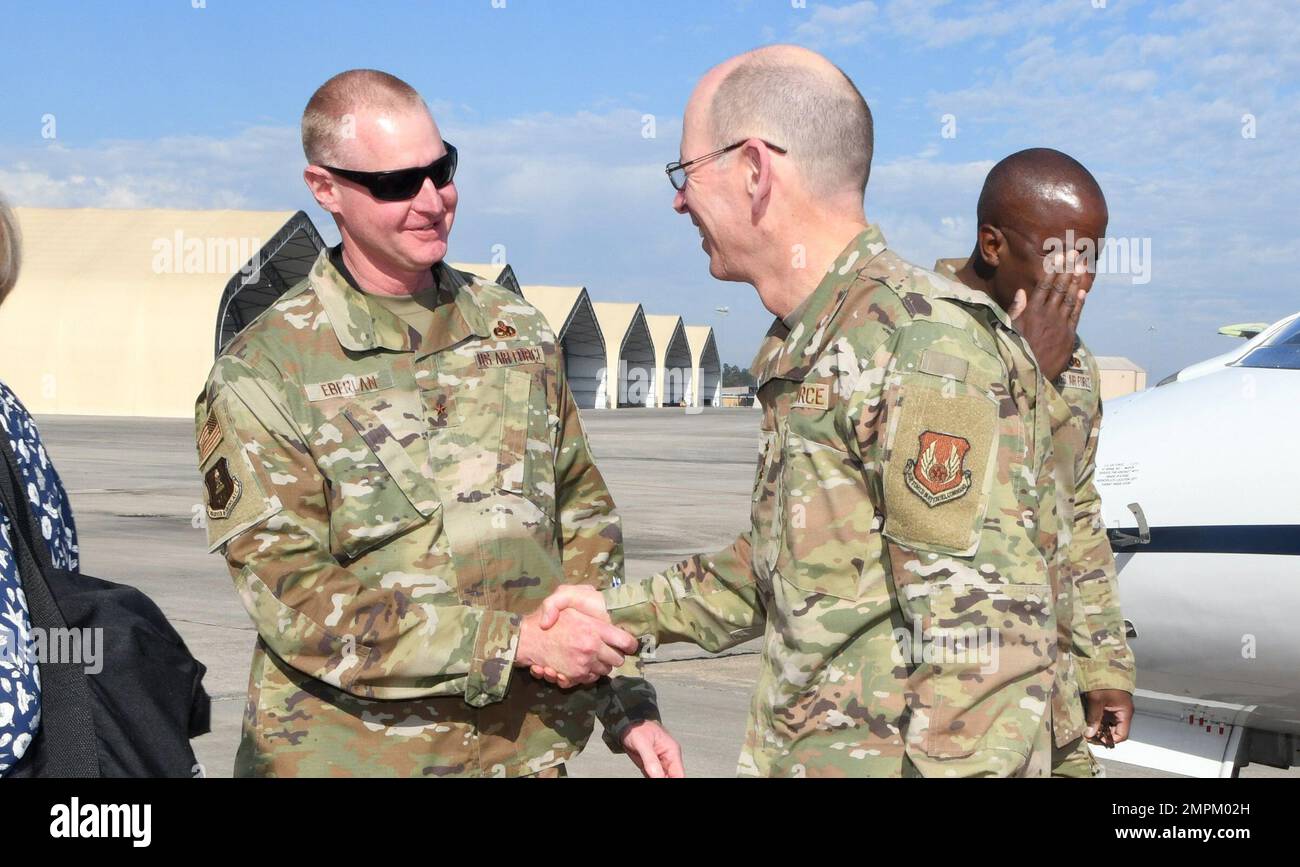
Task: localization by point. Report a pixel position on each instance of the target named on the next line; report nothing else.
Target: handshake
(569, 640)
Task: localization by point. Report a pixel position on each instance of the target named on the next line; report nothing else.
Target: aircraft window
(1281, 351)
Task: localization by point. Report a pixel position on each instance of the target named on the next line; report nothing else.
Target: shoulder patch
(223, 489)
(937, 474)
(209, 437)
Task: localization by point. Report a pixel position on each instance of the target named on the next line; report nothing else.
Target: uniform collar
(361, 324)
(955, 290)
(789, 350)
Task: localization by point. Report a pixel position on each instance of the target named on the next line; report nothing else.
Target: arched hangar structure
(672, 360)
(629, 354)
(569, 312)
(706, 380)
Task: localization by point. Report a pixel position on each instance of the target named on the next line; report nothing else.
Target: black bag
(135, 716)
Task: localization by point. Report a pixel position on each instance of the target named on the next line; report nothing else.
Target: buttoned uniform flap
(392, 453)
(500, 457)
(529, 431)
(374, 488)
(826, 517)
(940, 456)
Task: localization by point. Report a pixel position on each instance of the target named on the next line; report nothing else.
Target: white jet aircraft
(1200, 485)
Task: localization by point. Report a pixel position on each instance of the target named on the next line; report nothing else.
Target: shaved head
(1031, 188)
(1036, 204)
(324, 122)
(798, 100)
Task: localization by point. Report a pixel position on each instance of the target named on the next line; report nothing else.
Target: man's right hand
(578, 648)
(1048, 316)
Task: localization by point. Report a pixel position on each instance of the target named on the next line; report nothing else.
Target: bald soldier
(1036, 205)
(397, 476)
(900, 559)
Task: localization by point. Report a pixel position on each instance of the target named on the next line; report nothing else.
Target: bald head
(325, 127)
(798, 100)
(1038, 188)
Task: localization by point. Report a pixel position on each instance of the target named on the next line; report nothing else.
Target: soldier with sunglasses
(396, 474)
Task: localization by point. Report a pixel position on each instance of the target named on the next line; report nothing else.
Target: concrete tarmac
(682, 483)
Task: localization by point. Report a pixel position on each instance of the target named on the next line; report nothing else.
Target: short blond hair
(323, 121)
(11, 250)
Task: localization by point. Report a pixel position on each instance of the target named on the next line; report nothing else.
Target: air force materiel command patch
(937, 474)
(815, 395)
(1076, 375)
(223, 489)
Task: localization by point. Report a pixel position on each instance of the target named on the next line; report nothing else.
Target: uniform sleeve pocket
(981, 654)
(940, 463)
(234, 498)
(826, 519)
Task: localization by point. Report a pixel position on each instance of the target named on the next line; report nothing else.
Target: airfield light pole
(722, 315)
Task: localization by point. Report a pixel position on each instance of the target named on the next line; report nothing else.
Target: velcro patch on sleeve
(942, 364)
(941, 460)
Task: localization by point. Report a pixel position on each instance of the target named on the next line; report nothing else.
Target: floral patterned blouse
(20, 683)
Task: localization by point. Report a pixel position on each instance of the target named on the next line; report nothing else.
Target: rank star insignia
(504, 330)
(223, 489)
(937, 474)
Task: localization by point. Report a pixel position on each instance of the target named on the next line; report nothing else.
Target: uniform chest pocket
(825, 516)
(941, 450)
(375, 490)
(526, 458)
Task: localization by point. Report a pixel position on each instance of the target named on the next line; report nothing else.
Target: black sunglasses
(677, 171)
(400, 185)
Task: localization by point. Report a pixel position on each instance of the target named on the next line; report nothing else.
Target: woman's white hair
(11, 250)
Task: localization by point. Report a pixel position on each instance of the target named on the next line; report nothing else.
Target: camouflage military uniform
(389, 505)
(1092, 641)
(903, 517)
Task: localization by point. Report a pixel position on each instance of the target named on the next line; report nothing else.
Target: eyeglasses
(400, 185)
(677, 171)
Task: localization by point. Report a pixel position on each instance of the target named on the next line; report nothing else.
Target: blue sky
(160, 104)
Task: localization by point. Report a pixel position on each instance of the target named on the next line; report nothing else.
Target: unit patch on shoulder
(509, 357)
(223, 489)
(816, 395)
(937, 474)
